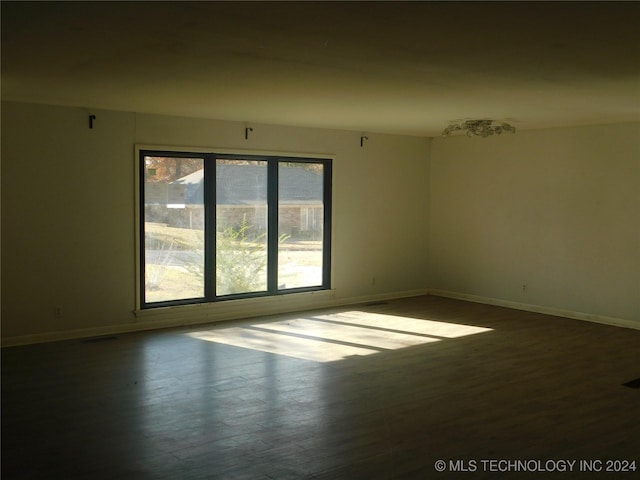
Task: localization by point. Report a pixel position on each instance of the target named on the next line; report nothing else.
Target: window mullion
(327, 222)
(210, 227)
(272, 226)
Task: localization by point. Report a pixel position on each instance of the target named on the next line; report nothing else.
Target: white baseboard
(185, 315)
(617, 322)
(257, 307)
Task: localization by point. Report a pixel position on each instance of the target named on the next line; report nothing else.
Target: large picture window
(220, 226)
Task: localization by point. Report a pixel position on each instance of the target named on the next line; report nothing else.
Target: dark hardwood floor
(373, 392)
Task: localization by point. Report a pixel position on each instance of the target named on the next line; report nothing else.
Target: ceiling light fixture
(478, 128)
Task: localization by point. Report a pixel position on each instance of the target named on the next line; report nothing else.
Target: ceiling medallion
(478, 128)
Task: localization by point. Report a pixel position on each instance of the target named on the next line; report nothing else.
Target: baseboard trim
(186, 315)
(557, 312)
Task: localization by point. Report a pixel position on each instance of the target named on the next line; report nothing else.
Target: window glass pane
(241, 226)
(173, 228)
(300, 224)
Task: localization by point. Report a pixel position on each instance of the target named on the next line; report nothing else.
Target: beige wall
(68, 216)
(555, 210)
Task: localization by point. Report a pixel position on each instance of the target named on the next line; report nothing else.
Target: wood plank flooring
(373, 392)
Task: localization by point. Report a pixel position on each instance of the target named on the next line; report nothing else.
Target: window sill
(235, 309)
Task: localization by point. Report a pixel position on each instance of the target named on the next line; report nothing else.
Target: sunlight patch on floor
(332, 337)
(317, 350)
(405, 324)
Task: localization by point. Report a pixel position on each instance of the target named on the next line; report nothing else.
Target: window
(221, 226)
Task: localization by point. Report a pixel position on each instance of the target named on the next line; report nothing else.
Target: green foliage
(241, 260)
(241, 256)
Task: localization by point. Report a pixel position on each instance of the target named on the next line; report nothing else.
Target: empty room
(323, 240)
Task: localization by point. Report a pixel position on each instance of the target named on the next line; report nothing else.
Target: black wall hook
(362, 139)
(91, 119)
(246, 132)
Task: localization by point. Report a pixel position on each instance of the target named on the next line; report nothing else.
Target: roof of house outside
(247, 185)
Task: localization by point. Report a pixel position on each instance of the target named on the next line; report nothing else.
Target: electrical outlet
(58, 311)
(524, 288)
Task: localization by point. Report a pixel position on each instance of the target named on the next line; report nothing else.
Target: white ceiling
(397, 67)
